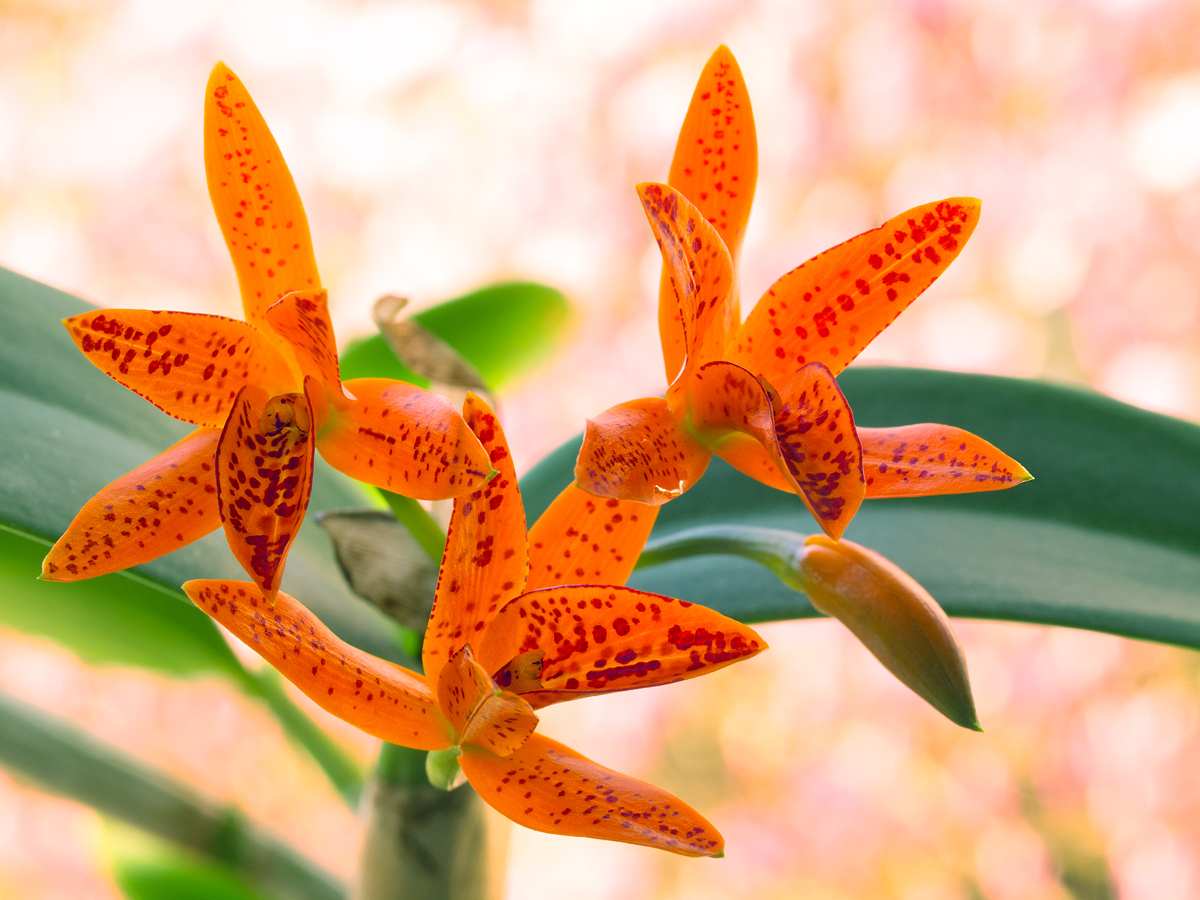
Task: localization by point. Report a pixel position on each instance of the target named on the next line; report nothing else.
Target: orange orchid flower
(501, 644)
(264, 393)
(762, 394)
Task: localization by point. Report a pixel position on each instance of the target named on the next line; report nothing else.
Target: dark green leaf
(502, 330)
(1107, 538)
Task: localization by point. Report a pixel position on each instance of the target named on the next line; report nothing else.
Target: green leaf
(64, 761)
(178, 878)
(502, 330)
(68, 431)
(1106, 538)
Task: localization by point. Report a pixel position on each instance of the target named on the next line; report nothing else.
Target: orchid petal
(487, 555)
(158, 507)
(701, 272)
(715, 167)
(254, 198)
(548, 787)
(401, 438)
(807, 430)
(189, 365)
(597, 639)
(639, 451)
(302, 319)
(829, 308)
(370, 693)
(584, 539)
(264, 479)
(919, 460)
(481, 713)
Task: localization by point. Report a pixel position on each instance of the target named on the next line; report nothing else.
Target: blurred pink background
(442, 145)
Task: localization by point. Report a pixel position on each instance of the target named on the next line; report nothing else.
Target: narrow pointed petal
(807, 431)
(264, 479)
(701, 271)
(596, 639)
(481, 713)
(158, 507)
(716, 168)
(919, 460)
(549, 787)
(302, 318)
(189, 365)
(584, 539)
(487, 553)
(372, 694)
(638, 451)
(896, 620)
(828, 309)
(401, 438)
(254, 198)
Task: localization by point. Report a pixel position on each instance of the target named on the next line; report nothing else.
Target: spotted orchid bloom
(506, 637)
(762, 394)
(264, 393)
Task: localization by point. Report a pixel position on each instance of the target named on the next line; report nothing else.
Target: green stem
(341, 769)
(778, 550)
(414, 517)
(422, 843)
(67, 762)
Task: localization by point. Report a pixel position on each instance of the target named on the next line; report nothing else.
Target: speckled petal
(255, 198)
(701, 273)
(639, 451)
(487, 555)
(189, 365)
(481, 713)
(158, 507)
(918, 460)
(302, 319)
(807, 429)
(549, 787)
(372, 694)
(264, 479)
(596, 639)
(715, 167)
(828, 309)
(404, 439)
(585, 539)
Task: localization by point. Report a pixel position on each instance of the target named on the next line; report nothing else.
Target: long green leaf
(502, 330)
(64, 761)
(1107, 538)
(68, 431)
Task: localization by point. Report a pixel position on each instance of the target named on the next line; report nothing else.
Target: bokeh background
(442, 145)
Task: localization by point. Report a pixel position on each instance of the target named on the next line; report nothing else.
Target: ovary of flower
(265, 393)
(762, 394)
(511, 632)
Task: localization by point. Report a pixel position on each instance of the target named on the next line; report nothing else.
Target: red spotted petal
(828, 309)
(701, 272)
(807, 430)
(264, 479)
(548, 787)
(372, 694)
(158, 507)
(487, 554)
(480, 713)
(255, 198)
(302, 318)
(404, 439)
(189, 365)
(584, 539)
(596, 639)
(715, 167)
(638, 451)
(917, 460)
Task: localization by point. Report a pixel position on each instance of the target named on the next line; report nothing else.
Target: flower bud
(443, 770)
(894, 617)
